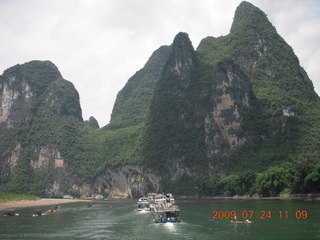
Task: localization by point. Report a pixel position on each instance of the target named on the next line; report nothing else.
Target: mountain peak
(35, 67)
(38, 74)
(182, 42)
(92, 122)
(182, 58)
(248, 15)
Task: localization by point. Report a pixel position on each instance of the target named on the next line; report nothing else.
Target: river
(298, 219)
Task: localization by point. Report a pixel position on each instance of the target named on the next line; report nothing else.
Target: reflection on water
(119, 220)
(170, 226)
(143, 212)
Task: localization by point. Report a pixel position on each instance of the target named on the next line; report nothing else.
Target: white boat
(166, 210)
(143, 204)
(167, 214)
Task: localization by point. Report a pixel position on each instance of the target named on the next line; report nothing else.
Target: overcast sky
(99, 44)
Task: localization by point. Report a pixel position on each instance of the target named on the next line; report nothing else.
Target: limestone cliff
(226, 104)
(34, 98)
(47, 150)
(20, 88)
(231, 101)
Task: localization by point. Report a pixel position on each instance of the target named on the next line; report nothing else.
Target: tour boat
(164, 215)
(166, 210)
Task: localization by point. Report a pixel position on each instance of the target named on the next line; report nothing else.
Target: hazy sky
(99, 44)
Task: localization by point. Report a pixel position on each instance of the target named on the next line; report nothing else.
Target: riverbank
(264, 198)
(283, 197)
(37, 203)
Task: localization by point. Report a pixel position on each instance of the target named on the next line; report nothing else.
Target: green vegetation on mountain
(56, 123)
(170, 130)
(133, 101)
(39, 74)
(281, 131)
(59, 99)
(5, 197)
(284, 158)
(236, 116)
(52, 116)
(92, 122)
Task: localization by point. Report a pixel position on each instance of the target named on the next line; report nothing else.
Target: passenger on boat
(168, 198)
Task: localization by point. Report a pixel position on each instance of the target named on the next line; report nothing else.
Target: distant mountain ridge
(236, 116)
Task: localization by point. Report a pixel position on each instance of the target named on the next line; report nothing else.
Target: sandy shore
(37, 203)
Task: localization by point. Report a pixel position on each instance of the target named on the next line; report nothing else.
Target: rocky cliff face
(230, 102)
(33, 95)
(19, 90)
(182, 60)
(46, 148)
(11, 98)
(191, 118)
(129, 181)
(233, 94)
